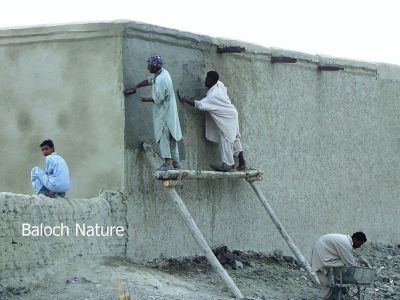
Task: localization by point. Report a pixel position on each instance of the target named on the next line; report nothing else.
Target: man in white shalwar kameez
(167, 128)
(334, 250)
(222, 123)
(53, 180)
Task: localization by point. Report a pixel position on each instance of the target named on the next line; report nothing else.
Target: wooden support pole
(194, 230)
(284, 234)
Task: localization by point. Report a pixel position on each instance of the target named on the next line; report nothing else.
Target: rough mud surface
(262, 276)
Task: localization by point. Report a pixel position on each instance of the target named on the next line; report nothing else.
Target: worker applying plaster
(167, 128)
(222, 123)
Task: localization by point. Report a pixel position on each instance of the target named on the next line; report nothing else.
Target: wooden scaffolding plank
(203, 174)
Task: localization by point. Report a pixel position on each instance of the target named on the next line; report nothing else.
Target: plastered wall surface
(327, 141)
(26, 259)
(63, 83)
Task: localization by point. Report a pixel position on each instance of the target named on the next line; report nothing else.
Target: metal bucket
(355, 275)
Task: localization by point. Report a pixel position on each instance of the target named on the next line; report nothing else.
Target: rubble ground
(258, 276)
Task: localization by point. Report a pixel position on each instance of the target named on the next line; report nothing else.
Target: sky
(365, 30)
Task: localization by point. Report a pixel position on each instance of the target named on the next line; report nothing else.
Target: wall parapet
(59, 32)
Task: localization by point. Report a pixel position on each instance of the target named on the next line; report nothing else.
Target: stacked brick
(29, 258)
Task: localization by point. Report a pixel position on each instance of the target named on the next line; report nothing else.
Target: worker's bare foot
(242, 162)
(223, 167)
(50, 194)
(241, 167)
(177, 165)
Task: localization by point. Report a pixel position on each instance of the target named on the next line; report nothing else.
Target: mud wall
(328, 142)
(63, 83)
(27, 257)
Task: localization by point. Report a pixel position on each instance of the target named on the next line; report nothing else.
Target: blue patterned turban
(155, 60)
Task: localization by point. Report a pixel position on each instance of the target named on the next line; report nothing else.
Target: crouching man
(53, 180)
(334, 250)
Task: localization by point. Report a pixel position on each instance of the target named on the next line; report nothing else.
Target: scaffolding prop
(171, 178)
(194, 230)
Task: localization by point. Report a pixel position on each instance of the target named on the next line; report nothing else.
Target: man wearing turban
(167, 129)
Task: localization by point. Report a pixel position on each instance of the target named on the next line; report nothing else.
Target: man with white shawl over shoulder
(222, 123)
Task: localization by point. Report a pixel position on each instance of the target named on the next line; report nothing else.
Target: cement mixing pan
(354, 275)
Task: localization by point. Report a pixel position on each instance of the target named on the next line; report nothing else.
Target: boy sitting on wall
(54, 179)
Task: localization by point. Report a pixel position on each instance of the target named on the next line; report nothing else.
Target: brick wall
(23, 258)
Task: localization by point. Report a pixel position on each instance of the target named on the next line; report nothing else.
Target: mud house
(324, 130)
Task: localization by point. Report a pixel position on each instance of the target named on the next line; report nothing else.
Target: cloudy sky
(364, 30)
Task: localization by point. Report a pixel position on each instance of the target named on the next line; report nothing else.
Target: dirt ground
(262, 277)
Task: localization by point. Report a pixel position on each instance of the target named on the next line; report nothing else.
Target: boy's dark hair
(213, 75)
(360, 236)
(47, 143)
